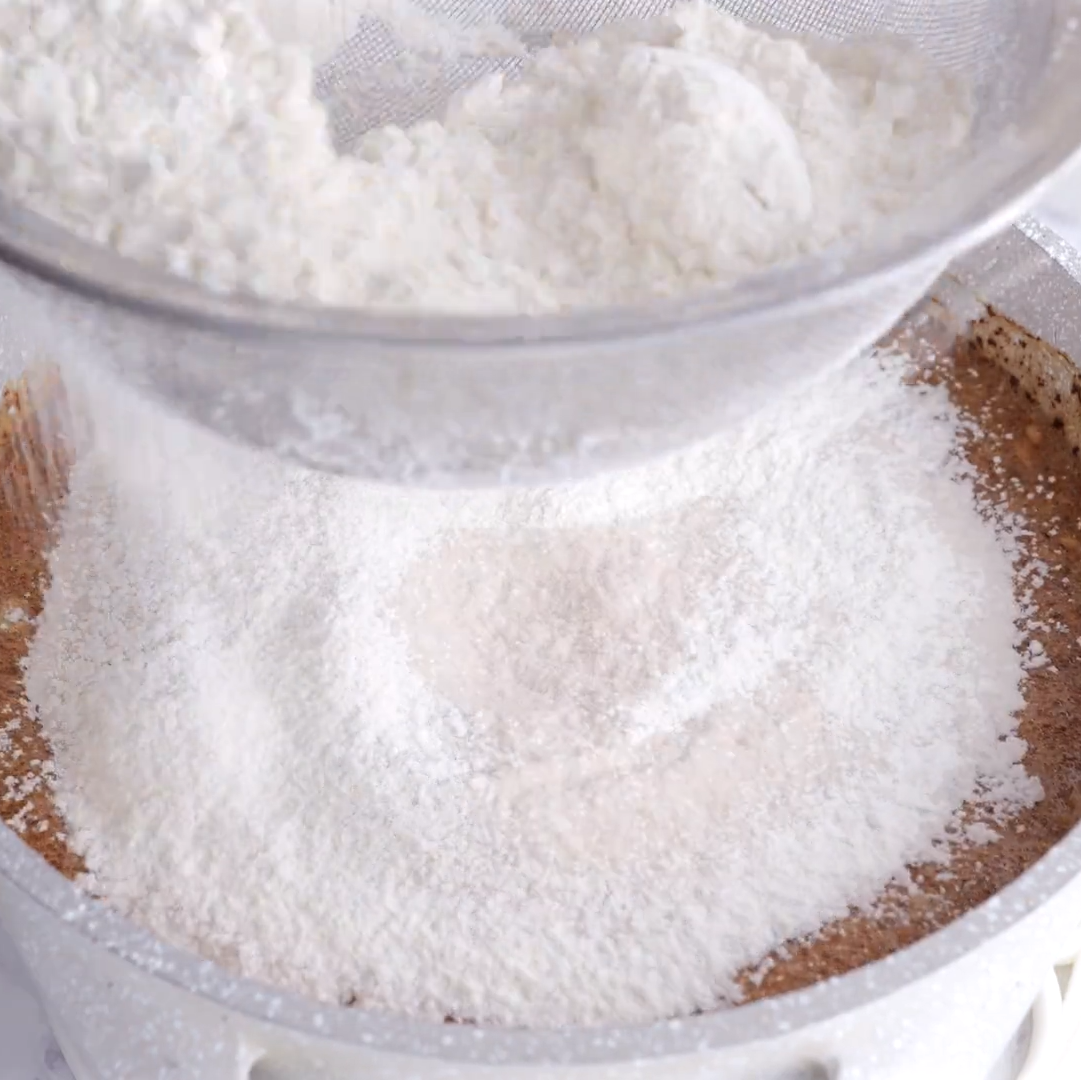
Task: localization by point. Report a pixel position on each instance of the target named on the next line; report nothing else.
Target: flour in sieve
(612, 170)
(572, 755)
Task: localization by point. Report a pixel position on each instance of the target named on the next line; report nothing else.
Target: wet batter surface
(1026, 458)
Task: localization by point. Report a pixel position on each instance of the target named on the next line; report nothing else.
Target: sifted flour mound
(574, 755)
(654, 158)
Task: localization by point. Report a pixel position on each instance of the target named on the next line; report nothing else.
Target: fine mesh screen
(1000, 47)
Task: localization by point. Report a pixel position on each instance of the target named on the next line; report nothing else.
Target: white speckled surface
(27, 1052)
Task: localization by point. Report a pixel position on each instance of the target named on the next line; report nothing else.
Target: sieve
(452, 401)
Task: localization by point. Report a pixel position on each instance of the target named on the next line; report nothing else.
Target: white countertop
(27, 1052)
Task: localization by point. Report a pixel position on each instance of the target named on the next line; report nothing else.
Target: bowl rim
(104, 928)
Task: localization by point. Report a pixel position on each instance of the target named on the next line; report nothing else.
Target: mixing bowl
(455, 401)
(472, 401)
(959, 1004)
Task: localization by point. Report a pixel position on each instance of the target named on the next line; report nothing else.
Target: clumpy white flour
(655, 158)
(574, 755)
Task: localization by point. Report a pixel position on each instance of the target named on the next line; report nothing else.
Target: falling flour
(573, 755)
(656, 157)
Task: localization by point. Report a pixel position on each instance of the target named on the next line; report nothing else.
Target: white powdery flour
(654, 158)
(563, 756)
